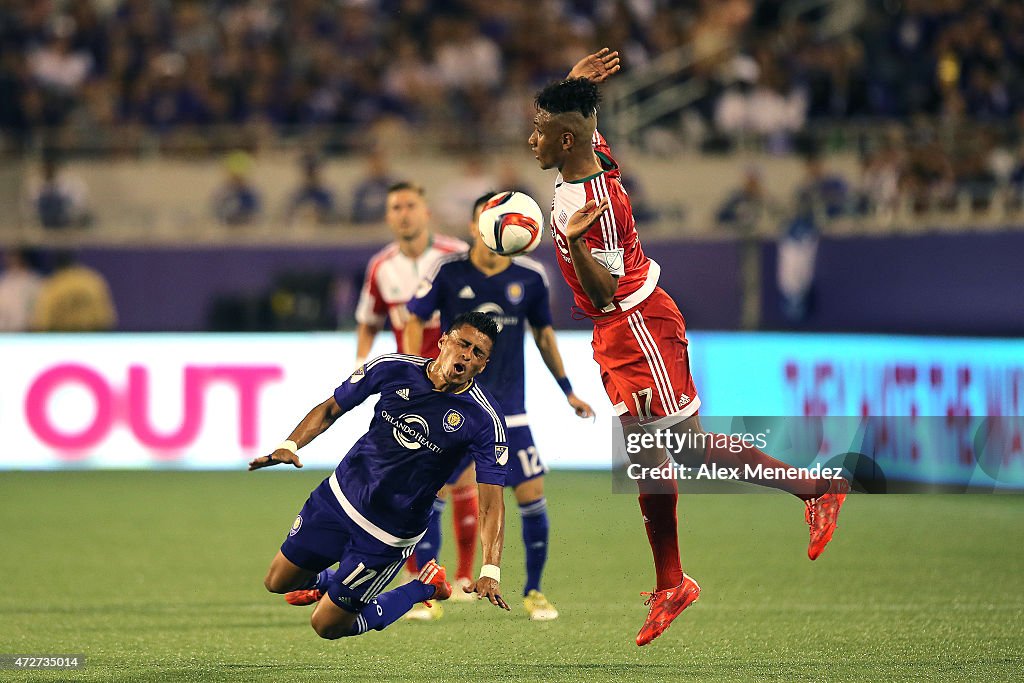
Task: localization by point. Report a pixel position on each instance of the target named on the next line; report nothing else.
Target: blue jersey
(389, 479)
(515, 295)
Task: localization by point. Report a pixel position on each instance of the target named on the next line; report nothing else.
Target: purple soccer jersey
(388, 480)
(515, 296)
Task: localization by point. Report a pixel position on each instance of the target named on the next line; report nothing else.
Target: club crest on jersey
(358, 374)
(296, 525)
(501, 454)
(452, 420)
(514, 292)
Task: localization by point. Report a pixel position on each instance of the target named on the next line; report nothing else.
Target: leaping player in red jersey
(639, 334)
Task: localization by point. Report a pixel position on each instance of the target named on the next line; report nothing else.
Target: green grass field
(158, 576)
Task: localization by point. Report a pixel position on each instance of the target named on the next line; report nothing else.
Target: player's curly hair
(478, 320)
(571, 95)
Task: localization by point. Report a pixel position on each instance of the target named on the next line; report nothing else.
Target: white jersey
(391, 281)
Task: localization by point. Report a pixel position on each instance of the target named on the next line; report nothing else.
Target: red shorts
(644, 364)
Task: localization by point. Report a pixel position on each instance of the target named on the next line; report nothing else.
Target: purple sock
(387, 608)
(535, 541)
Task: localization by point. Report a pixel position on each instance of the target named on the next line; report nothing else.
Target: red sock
(720, 451)
(658, 499)
(466, 510)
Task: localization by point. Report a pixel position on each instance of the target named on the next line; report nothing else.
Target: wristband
(491, 571)
(288, 445)
(565, 384)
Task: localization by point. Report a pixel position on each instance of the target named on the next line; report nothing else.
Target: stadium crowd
(93, 75)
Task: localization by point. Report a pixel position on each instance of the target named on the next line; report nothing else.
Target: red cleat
(433, 574)
(666, 605)
(821, 515)
(303, 597)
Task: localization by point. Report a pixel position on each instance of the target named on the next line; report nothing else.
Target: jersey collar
(606, 163)
(426, 374)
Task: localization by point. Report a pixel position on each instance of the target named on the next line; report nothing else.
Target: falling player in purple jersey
(370, 513)
(514, 292)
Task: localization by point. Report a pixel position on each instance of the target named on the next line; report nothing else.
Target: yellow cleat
(422, 612)
(538, 607)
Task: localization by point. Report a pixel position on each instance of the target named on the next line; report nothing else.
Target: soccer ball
(511, 223)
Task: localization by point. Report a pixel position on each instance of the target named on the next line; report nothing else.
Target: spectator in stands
(59, 68)
(58, 199)
(823, 195)
(237, 201)
(929, 181)
(369, 199)
(758, 104)
(743, 211)
(312, 201)
(746, 206)
(881, 173)
(19, 288)
(75, 298)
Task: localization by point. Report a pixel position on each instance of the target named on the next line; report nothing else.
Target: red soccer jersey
(613, 240)
(392, 279)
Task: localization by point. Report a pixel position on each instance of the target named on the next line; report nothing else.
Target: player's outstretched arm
(597, 67)
(547, 344)
(412, 335)
(596, 280)
(316, 422)
(492, 538)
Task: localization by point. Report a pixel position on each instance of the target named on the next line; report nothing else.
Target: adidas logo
(404, 393)
(467, 293)
(683, 400)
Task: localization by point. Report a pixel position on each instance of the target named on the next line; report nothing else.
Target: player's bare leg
(283, 575)
(332, 622)
(822, 497)
(533, 509)
(300, 586)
